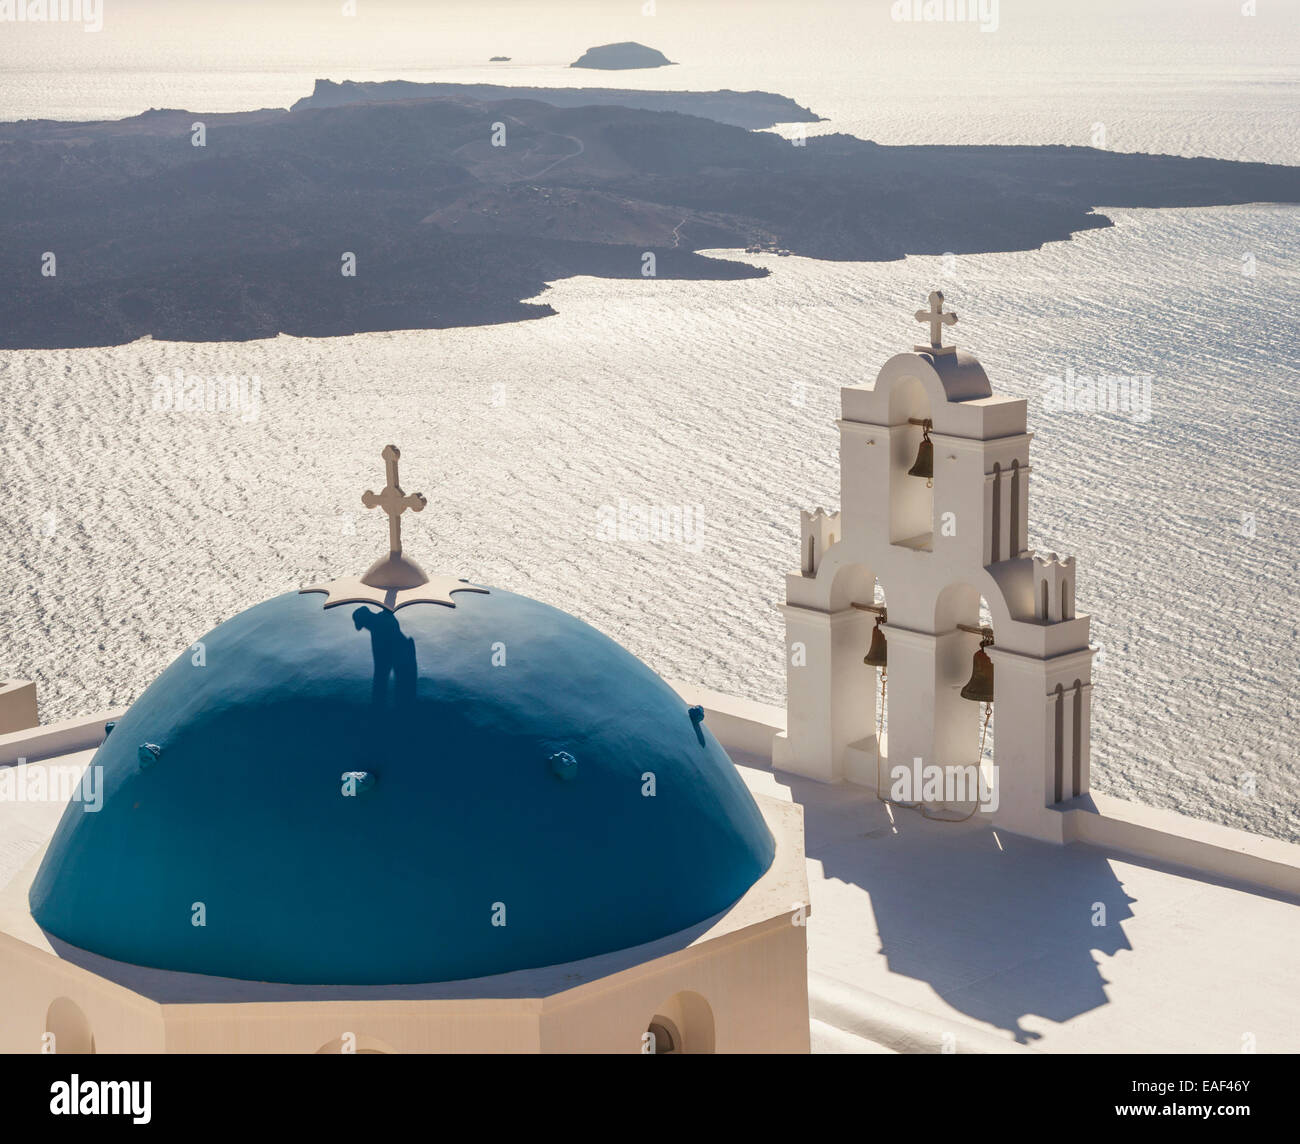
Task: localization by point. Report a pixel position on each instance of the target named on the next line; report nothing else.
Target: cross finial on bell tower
(938, 318)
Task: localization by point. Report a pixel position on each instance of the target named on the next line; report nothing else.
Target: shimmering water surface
(128, 532)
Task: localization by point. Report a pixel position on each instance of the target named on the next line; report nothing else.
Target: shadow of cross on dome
(394, 655)
(1000, 928)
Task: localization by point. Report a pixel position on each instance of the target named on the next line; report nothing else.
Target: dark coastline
(244, 237)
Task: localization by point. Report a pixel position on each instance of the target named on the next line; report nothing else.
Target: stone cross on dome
(393, 500)
(938, 318)
(394, 581)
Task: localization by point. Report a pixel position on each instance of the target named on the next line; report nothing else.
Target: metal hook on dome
(563, 766)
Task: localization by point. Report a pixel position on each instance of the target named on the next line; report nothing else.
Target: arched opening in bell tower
(846, 693)
(876, 661)
(964, 697)
(911, 497)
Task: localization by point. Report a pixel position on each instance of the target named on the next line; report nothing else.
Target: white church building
(396, 812)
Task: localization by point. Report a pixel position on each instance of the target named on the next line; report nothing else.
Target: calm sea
(128, 533)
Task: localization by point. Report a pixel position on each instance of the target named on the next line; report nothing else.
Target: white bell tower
(928, 552)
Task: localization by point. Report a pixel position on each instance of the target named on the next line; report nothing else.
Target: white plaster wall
(928, 590)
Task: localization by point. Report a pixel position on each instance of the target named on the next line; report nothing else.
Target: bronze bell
(979, 688)
(924, 466)
(877, 653)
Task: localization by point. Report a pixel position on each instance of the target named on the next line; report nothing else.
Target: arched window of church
(69, 1028)
(665, 1038)
(1067, 600)
(1046, 612)
(682, 1024)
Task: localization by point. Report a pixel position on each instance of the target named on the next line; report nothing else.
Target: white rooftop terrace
(921, 929)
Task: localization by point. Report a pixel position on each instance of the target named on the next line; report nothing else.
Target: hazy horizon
(1184, 77)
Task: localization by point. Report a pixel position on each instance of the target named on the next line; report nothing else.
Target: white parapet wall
(740, 725)
(883, 1025)
(1166, 835)
(51, 739)
(17, 705)
(747, 729)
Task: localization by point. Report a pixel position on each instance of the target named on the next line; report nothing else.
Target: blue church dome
(355, 795)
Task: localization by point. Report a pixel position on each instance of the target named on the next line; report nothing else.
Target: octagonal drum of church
(352, 795)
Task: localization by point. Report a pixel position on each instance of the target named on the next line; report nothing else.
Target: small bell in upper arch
(924, 466)
(877, 654)
(979, 688)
